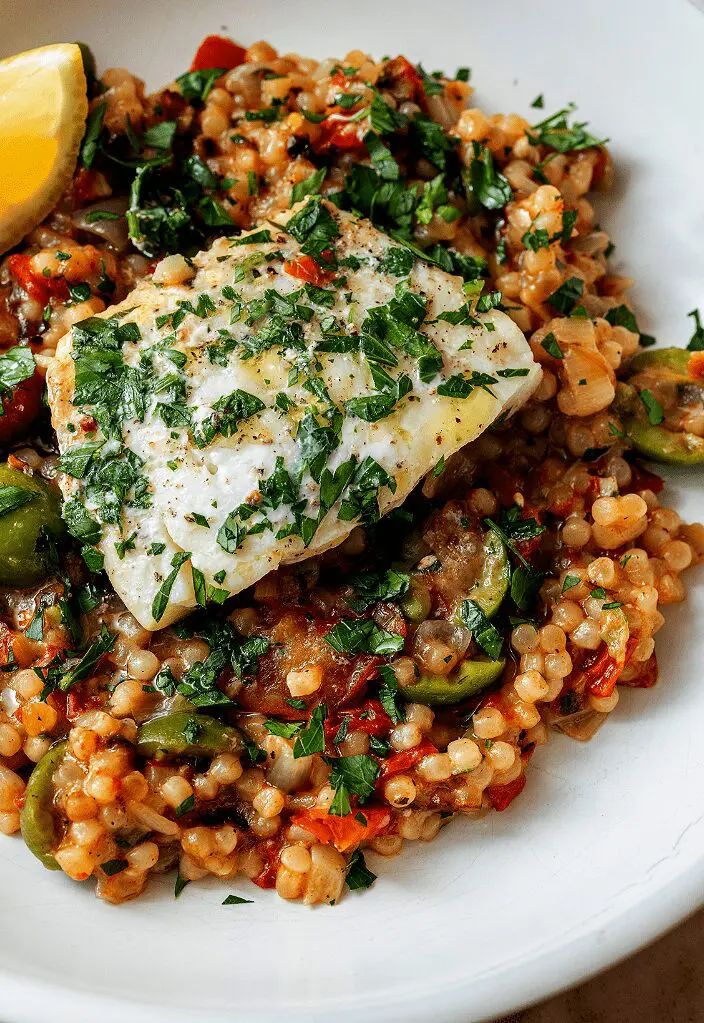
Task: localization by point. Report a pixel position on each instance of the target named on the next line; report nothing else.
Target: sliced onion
(114, 232)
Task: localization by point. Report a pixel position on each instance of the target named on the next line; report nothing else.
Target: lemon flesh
(43, 108)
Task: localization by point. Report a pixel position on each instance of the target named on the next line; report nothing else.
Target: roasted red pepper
(397, 763)
(370, 717)
(345, 833)
(218, 52)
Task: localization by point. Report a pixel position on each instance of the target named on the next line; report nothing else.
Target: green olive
(23, 558)
(470, 678)
(675, 359)
(187, 734)
(37, 819)
(490, 588)
(672, 447)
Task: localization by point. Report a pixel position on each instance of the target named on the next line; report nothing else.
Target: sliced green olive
(669, 446)
(189, 735)
(37, 819)
(655, 441)
(490, 588)
(470, 678)
(24, 558)
(675, 359)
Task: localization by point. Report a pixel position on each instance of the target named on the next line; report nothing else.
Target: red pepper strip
(501, 796)
(345, 833)
(370, 717)
(305, 268)
(218, 52)
(397, 763)
(266, 878)
(21, 408)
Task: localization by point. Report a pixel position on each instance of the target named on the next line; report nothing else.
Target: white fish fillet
(193, 489)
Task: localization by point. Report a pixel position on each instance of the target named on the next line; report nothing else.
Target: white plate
(605, 849)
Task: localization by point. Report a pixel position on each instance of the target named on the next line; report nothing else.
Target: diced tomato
(397, 763)
(340, 134)
(340, 79)
(78, 702)
(370, 717)
(695, 365)
(20, 408)
(501, 796)
(404, 80)
(305, 268)
(345, 833)
(266, 878)
(218, 52)
(37, 287)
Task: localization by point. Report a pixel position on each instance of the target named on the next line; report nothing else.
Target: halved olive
(34, 512)
(187, 734)
(37, 821)
(470, 678)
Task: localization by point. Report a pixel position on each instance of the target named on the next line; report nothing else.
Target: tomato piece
(501, 796)
(340, 134)
(21, 408)
(345, 833)
(397, 763)
(369, 717)
(36, 286)
(404, 80)
(695, 366)
(218, 52)
(305, 268)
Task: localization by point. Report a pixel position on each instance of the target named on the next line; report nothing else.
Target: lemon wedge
(43, 108)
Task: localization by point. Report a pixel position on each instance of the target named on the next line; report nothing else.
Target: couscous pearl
(405, 736)
(400, 791)
(488, 723)
(530, 686)
(436, 767)
(176, 790)
(296, 858)
(604, 704)
(269, 802)
(501, 755)
(464, 755)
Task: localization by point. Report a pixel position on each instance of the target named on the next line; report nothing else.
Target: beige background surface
(662, 984)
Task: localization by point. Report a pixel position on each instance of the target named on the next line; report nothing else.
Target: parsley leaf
(312, 738)
(363, 636)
